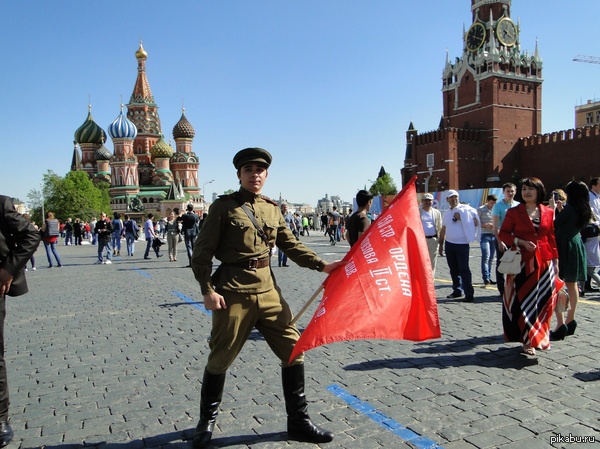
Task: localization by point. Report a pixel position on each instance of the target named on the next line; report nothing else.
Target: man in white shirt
(460, 226)
(595, 197)
(431, 219)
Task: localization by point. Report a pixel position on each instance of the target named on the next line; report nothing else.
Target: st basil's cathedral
(144, 172)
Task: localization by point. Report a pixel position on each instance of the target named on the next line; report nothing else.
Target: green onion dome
(90, 132)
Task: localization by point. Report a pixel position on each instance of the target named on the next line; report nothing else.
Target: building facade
(490, 130)
(144, 172)
(587, 114)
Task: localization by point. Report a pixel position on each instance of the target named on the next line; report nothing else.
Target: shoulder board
(229, 196)
(269, 200)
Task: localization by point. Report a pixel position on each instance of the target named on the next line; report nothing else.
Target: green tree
(39, 199)
(73, 196)
(384, 184)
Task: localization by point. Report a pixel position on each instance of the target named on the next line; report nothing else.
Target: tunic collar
(248, 196)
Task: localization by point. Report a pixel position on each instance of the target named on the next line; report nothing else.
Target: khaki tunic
(229, 236)
(252, 296)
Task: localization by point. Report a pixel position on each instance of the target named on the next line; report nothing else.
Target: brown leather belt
(251, 264)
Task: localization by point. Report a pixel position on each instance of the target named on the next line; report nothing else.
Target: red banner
(386, 288)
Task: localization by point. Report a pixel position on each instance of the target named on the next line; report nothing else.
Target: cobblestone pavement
(111, 356)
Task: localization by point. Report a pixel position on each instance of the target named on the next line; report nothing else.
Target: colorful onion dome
(183, 128)
(161, 149)
(122, 128)
(90, 132)
(141, 53)
(103, 153)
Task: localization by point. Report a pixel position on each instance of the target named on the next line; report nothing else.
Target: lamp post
(203, 186)
(42, 198)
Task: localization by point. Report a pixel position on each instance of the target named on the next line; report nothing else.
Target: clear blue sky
(329, 87)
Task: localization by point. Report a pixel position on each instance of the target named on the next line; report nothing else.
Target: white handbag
(510, 262)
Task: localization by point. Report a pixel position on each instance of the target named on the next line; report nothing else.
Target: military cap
(248, 155)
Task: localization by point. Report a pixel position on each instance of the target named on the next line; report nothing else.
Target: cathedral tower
(143, 112)
(124, 162)
(90, 137)
(184, 162)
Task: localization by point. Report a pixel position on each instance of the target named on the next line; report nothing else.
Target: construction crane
(588, 59)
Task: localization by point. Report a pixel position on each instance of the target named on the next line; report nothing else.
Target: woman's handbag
(510, 262)
(562, 296)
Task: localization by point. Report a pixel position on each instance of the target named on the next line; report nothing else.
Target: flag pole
(308, 303)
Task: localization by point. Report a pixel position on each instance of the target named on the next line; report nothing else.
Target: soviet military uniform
(245, 278)
(247, 285)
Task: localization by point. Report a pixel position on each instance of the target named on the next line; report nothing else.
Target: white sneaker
(33, 269)
(108, 262)
(98, 262)
(26, 269)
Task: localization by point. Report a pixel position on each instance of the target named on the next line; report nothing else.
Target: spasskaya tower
(492, 96)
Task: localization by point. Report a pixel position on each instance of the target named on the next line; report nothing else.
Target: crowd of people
(558, 244)
(557, 238)
(109, 233)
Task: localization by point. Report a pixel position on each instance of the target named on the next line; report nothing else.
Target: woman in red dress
(530, 296)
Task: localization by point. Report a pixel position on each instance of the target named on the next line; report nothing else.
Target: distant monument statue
(134, 204)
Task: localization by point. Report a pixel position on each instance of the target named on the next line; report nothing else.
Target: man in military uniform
(240, 230)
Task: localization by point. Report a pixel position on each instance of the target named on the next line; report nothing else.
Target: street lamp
(203, 186)
(42, 198)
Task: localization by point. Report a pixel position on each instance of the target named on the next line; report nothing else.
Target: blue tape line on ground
(142, 272)
(192, 302)
(395, 427)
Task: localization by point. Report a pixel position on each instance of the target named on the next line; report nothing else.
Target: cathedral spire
(141, 91)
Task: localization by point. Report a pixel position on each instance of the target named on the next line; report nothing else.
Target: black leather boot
(210, 398)
(300, 427)
(6, 433)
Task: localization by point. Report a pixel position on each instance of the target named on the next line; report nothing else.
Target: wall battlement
(454, 134)
(560, 136)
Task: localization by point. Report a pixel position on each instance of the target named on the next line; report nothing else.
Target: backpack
(51, 229)
(116, 225)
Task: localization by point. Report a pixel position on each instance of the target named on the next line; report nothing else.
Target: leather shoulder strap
(252, 218)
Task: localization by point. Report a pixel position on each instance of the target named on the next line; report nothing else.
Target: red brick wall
(559, 157)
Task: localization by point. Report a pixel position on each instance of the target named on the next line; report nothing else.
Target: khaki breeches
(268, 312)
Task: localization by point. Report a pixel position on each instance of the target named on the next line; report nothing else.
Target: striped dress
(530, 296)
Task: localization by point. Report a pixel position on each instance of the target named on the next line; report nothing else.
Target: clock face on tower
(506, 31)
(475, 36)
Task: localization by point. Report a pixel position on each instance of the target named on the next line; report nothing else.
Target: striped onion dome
(103, 153)
(161, 149)
(90, 132)
(183, 128)
(122, 128)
